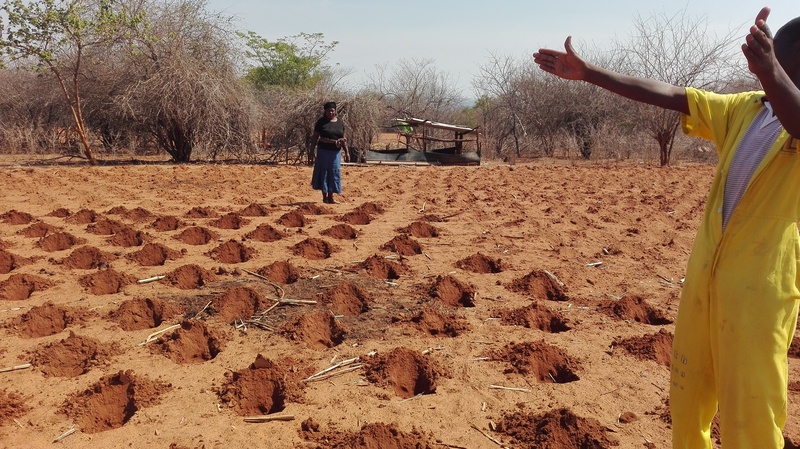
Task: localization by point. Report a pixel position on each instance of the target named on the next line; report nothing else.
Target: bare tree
(679, 50)
(522, 104)
(33, 115)
(500, 102)
(416, 88)
(186, 93)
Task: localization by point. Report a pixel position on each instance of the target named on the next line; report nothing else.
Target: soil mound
(347, 298)
(201, 212)
(153, 255)
(407, 372)
(656, 347)
(546, 363)
(293, 219)
(403, 245)
(438, 323)
(83, 217)
(104, 226)
(12, 405)
(61, 212)
(196, 235)
(112, 401)
(356, 217)
(280, 272)
(167, 223)
(15, 217)
(239, 302)
(539, 285)
(232, 252)
(137, 214)
(144, 313)
(38, 230)
(318, 330)
(127, 238)
(193, 342)
(265, 233)
(255, 210)
(59, 241)
(371, 208)
(421, 230)
(230, 220)
(313, 249)
(479, 263)
(72, 356)
(88, 258)
(9, 262)
(314, 209)
(19, 287)
(105, 282)
(370, 436)
(259, 390)
(556, 429)
(534, 316)
(452, 292)
(43, 321)
(381, 268)
(635, 308)
(341, 232)
(188, 277)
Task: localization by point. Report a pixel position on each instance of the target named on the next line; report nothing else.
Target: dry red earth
(527, 305)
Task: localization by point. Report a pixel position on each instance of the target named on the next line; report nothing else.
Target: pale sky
(460, 35)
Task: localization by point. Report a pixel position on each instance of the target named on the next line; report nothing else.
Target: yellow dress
(738, 308)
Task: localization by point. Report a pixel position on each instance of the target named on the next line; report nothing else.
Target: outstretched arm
(568, 65)
(766, 60)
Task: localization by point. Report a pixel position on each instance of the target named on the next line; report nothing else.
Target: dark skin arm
(763, 60)
(568, 65)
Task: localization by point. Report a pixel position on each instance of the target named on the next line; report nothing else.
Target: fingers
(763, 14)
(568, 46)
(761, 21)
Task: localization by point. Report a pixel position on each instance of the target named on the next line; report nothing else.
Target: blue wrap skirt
(327, 171)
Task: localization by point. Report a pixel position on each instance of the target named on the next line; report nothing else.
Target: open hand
(565, 64)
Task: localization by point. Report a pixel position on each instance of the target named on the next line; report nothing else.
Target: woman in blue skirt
(331, 146)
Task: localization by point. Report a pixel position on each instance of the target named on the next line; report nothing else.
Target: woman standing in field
(331, 147)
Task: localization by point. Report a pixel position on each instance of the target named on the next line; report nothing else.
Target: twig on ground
(65, 434)
(16, 368)
(345, 362)
(491, 438)
(197, 316)
(268, 418)
(13, 309)
(295, 302)
(553, 276)
(150, 279)
(277, 287)
(154, 335)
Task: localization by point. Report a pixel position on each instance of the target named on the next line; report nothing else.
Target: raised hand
(565, 64)
(758, 47)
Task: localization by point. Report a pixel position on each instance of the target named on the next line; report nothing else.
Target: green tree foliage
(293, 62)
(55, 35)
